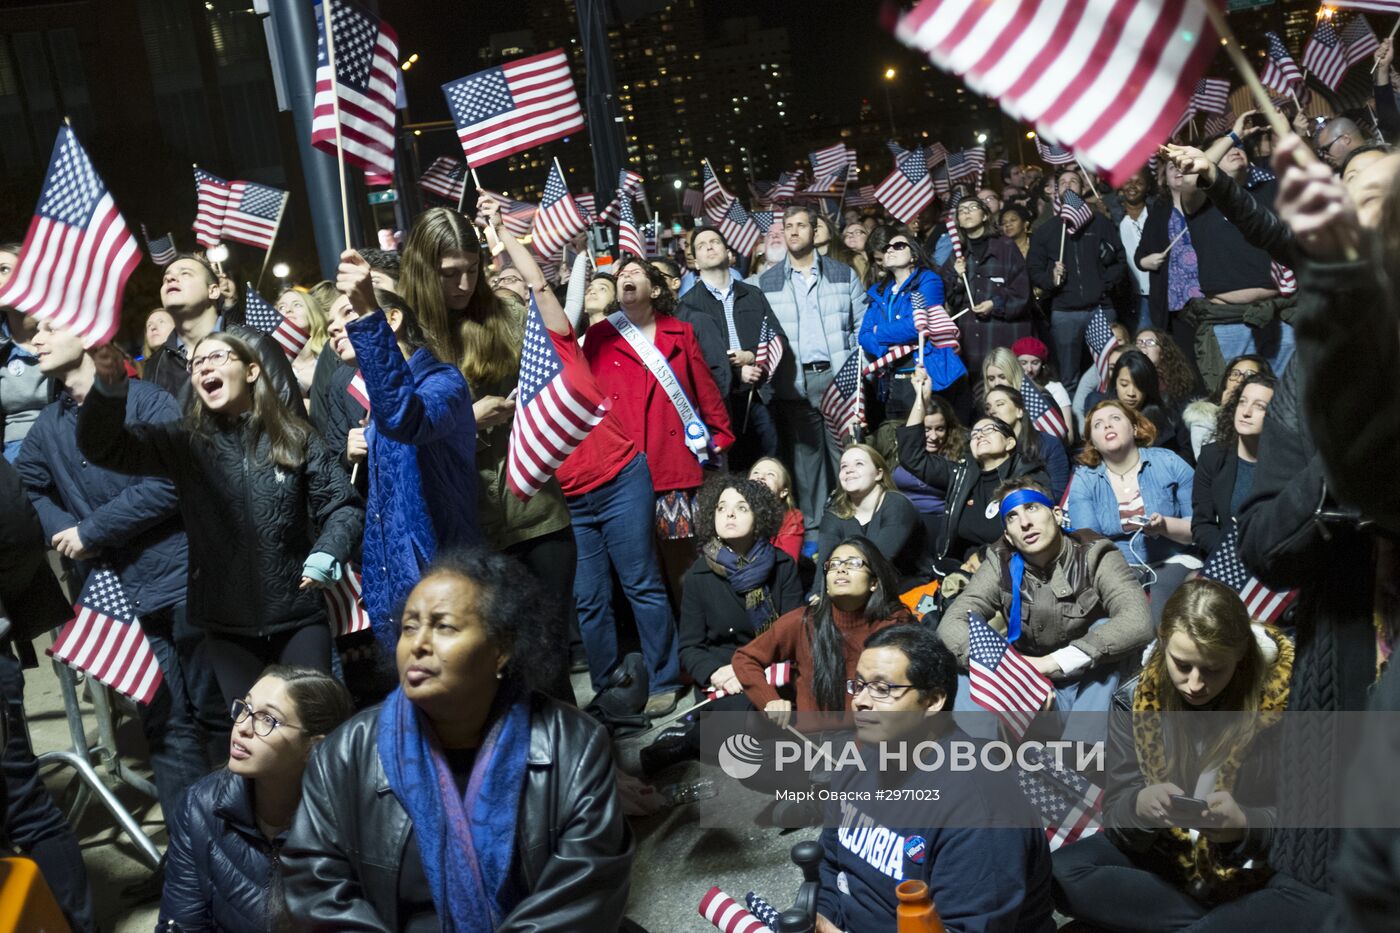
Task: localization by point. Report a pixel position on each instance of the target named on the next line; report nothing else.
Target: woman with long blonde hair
(306, 311)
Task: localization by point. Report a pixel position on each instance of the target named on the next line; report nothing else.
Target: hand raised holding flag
(353, 280)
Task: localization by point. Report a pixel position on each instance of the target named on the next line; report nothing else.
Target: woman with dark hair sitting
(1009, 405)
(823, 641)
(1225, 473)
(1133, 380)
(222, 867)
(419, 448)
(1202, 416)
(467, 800)
(944, 436)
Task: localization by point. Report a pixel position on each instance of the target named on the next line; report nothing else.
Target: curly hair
(1178, 379)
(519, 620)
(1144, 431)
(1264, 367)
(767, 510)
(1225, 416)
(663, 303)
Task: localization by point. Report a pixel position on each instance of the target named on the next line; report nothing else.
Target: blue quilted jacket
(422, 467)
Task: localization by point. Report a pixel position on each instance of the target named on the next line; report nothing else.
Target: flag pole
(267, 256)
(1087, 180)
(1376, 64)
(327, 18)
(1175, 240)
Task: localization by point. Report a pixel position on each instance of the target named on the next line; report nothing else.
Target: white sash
(697, 436)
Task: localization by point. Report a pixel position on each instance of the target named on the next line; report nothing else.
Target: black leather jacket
(573, 849)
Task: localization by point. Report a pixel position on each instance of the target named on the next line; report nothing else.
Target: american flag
(728, 915)
(1325, 56)
(843, 402)
(254, 213)
(831, 160)
(761, 191)
(934, 323)
(779, 674)
(344, 606)
(1069, 803)
(766, 913)
(517, 216)
(825, 185)
(358, 390)
(864, 196)
(955, 236)
(264, 317)
(1074, 212)
(446, 178)
(1043, 410)
(941, 184)
(364, 90)
(104, 640)
(765, 219)
(1218, 123)
(966, 164)
(738, 229)
(651, 238)
(1053, 153)
(1101, 340)
(908, 189)
(1107, 78)
(785, 187)
(558, 404)
(1212, 95)
(629, 237)
(1284, 280)
(1280, 70)
(78, 252)
(630, 182)
(937, 154)
(883, 361)
(693, 202)
(1360, 41)
(1000, 680)
(769, 352)
(162, 249)
(895, 149)
(716, 198)
(1258, 175)
(852, 171)
(558, 220)
(586, 206)
(514, 107)
(1226, 566)
(211, 200)
(1186, 119)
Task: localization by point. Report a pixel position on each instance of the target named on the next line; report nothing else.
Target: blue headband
(1015, 500)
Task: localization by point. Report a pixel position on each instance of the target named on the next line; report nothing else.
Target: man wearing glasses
(1337, 139)
(980, 878)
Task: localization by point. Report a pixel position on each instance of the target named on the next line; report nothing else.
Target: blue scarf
(748, 577)
(1014, 500)
(466, 840)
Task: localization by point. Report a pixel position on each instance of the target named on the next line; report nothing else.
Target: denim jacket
(1165, 481)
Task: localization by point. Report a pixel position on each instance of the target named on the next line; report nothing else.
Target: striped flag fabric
(517, 216)
(778, 674)
(344, 605)
(78, 251)
(843, 402)
(1053, 153)
(895, 149)
(716, 199)
(955, 236)
(631, 182)
(557, 405)
(934, 323)
(1280, 71)
(161, 249)
(558, 219)
(1212, 95)
(883, 361)
(936, 154)
(587, 206)
(363, 91)
(629, 237)
(358, 390)
(769, 352)
(264, 317)
(514, 107)
(693, 202)
(785, 187)
(1000, 680)
(966, 164)
(253, 214)
(1070, 805)
(1325, 55)
(766, 913)
(864, 196)
(728, 915)
(1225, 565)
(1218, 123)
(104, 640)
(825, 185)
(1102, 342)
(1359, 39)
(831, 160)
(739, 229)
(1284, 280)
(1107, 78)
(212, 195)
(446, 178)
(1043, 410)
(908, 189)
(1074, 212)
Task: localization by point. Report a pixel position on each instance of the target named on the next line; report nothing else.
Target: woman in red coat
(626, 351)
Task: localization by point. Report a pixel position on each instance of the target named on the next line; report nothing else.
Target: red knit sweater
(786, 640)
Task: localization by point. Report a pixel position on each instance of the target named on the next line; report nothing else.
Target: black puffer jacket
(251, 524)
(220, 870)
(573, 850)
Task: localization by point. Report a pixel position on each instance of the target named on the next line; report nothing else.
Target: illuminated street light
(281, 270)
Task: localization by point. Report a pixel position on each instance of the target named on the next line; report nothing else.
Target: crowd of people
(439, 769)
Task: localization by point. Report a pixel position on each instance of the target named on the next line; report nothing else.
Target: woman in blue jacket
(1137, 495)
(889, 323)
(419, 446)
(222, 867)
